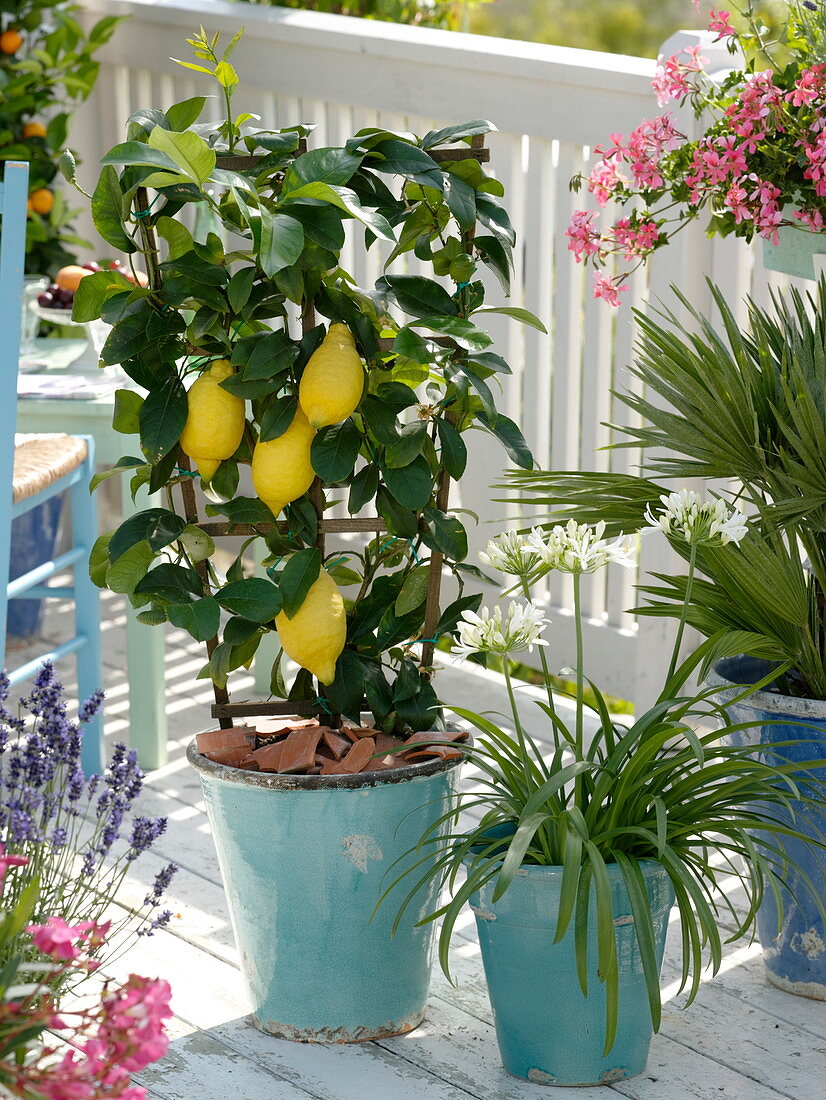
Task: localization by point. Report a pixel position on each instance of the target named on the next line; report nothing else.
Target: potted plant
(265, 359)
(578, 856)
(744, 407)
(754, 168)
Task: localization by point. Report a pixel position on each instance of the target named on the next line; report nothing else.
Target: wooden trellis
(223, 709)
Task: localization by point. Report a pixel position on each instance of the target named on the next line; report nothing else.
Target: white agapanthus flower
(517, 630)
(511, 554)
(578, 548)
(710, 522)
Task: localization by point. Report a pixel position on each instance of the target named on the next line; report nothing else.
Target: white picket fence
(551, 106)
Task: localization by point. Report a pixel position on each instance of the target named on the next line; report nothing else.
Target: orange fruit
(11, 41)
(41, 201)
(34, 129)
(69, 277)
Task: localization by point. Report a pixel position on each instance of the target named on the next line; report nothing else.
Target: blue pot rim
(274, 781)
(769, 701)
(651, 868)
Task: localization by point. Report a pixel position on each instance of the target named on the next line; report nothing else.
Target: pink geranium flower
(720, 24)
(7, 861)
(608, 289)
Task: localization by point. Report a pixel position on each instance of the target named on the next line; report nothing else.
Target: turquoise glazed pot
(548, 1032)
(792, 255)
(794, 953)
(304, 859)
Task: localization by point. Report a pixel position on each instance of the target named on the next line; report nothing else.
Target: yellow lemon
(333, 379)
(281, 469)
(315, 636)
(215, 421)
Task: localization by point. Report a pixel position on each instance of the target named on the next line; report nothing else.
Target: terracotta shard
(430, 752)
(387, 744)
(337, 745)
(441, 737)
(233, 757)
(356, 759)
(299, 750)
(237, 737)
(356, 733)
(268, 757)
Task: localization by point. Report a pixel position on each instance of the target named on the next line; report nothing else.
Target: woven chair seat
(41, 460)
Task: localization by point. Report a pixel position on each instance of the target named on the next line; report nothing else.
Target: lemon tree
(361, 395)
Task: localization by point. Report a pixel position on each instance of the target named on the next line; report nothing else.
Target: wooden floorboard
(741, 1040)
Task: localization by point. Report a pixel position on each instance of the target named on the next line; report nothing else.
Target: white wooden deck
(741, 1040)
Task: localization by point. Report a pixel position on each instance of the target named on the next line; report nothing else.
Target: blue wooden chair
(34, 468)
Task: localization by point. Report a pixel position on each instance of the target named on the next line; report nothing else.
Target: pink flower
(604, 180)
(808, 87)
(9, 861)
(608, 289)
(583, 239)
(735, 200)
(811, 218)
(133, 1026)
(671, 76)
(721, 24)
(56, 938)
(635, 240)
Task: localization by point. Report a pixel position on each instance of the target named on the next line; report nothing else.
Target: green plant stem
(580, 701)
(543, 660)
(520, 733)
(678, 641)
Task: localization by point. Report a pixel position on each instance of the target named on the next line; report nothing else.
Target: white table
(93, 416)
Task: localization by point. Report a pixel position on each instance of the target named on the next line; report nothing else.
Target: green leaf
(239, 288)
(334, 451)
(445, 533)
(523, 315)
(176, 235)
(126, 414)
(277, 417)
(414, 590)
(225, 74)
(346, 200)
(411, 486)
(282, 242)
(199, 545)
(124, 574)
(346, 693)
(139, 154)
(400, 521)
(456, 133)
(511, 438)
(159, 526)
(322, 224)
(410, 345)
(363, 489)
(199, 619)
(162, 418)
(329, 166)
(190, 154)
(380, 418)
(171, 582)
(95, 290)
(465, 333)
(108, 211)
(409, 444)
(454, 451)
(461, 200)
(453, 612)
(182, 115)
(245, 510)
(417, 295)
(99, 561)
(121, 466)
(401, 159)
(297, 577)
(254, 598)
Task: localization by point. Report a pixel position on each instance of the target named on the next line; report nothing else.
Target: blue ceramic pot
(304, 859)
(793, 253)
(548, 1032)
(794, 953)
